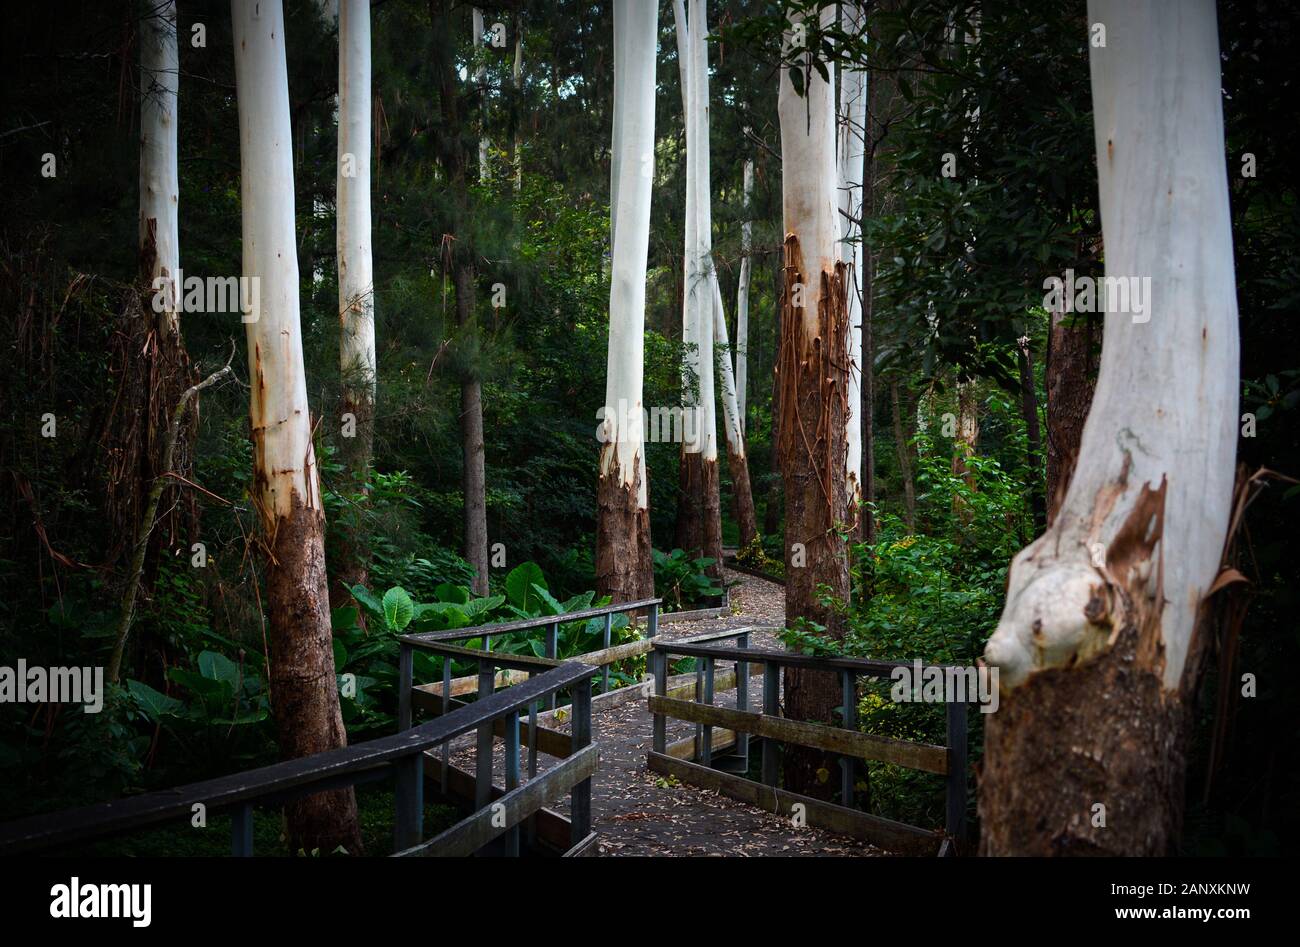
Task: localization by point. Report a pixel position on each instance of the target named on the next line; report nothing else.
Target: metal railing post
(512, 776)
(771, 707)
(552, 649)
(609, 627)
(405, 681)
(580, 795)
(408, 829)
(659, 663)
(483, 753)
(707, 758)
(955, 823)
(849, 719)
(742, 700)
(446, 709)
(241, 831)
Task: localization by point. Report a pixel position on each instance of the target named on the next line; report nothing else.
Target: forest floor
(637, 812)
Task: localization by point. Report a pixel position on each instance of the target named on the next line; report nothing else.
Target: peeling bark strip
(1104, 610)
(286, 486)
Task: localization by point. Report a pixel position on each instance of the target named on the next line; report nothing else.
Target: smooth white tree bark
(1140, 533)
(852, 152)
(697, 319)
(810, 200)
(284, 457)
(742, 295)
(635, 28)
(355, 261)
(159, 180)
(480, 79)
(730, 398)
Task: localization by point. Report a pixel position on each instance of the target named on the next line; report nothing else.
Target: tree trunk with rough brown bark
(1073, 347)
(813, 374)
(473, 469)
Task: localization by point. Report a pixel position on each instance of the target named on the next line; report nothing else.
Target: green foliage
(682, 582)
(754, 555)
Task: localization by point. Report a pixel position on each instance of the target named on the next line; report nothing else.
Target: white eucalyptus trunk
(1164, 414)
(809, 195)
(355, 261)
(624, 568)
(480, 79)
(742, 295)
(159, 180)
(284, 459)
(700, 451)
(730, 398)
(286, 486)
(852, 152)
(635, 25)
(697, 319)
(703, 289)
(1098, 646)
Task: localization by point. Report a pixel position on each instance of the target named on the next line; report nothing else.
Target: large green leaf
(205, 688)
(480, 607)
(447, 592)
(217, 667)
(152, 704)
(368, 601)
(549, 603)
(398, 608)
(520, 583)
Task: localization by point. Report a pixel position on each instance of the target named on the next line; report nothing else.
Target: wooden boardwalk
(637, 812)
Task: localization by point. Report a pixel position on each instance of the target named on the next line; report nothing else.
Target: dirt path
(637, 812)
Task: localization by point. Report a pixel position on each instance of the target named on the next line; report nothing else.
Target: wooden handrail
(813, 662)
(526, 624)
(291, 777)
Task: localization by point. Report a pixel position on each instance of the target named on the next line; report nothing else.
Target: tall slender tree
(851, 166)
(812, 372)
(742, 294)
(624, 569)
(737, 460)
(700, 517)
(1099, 647)
(355, 269)
(460, 253)
(159, 179)
(286, 485)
